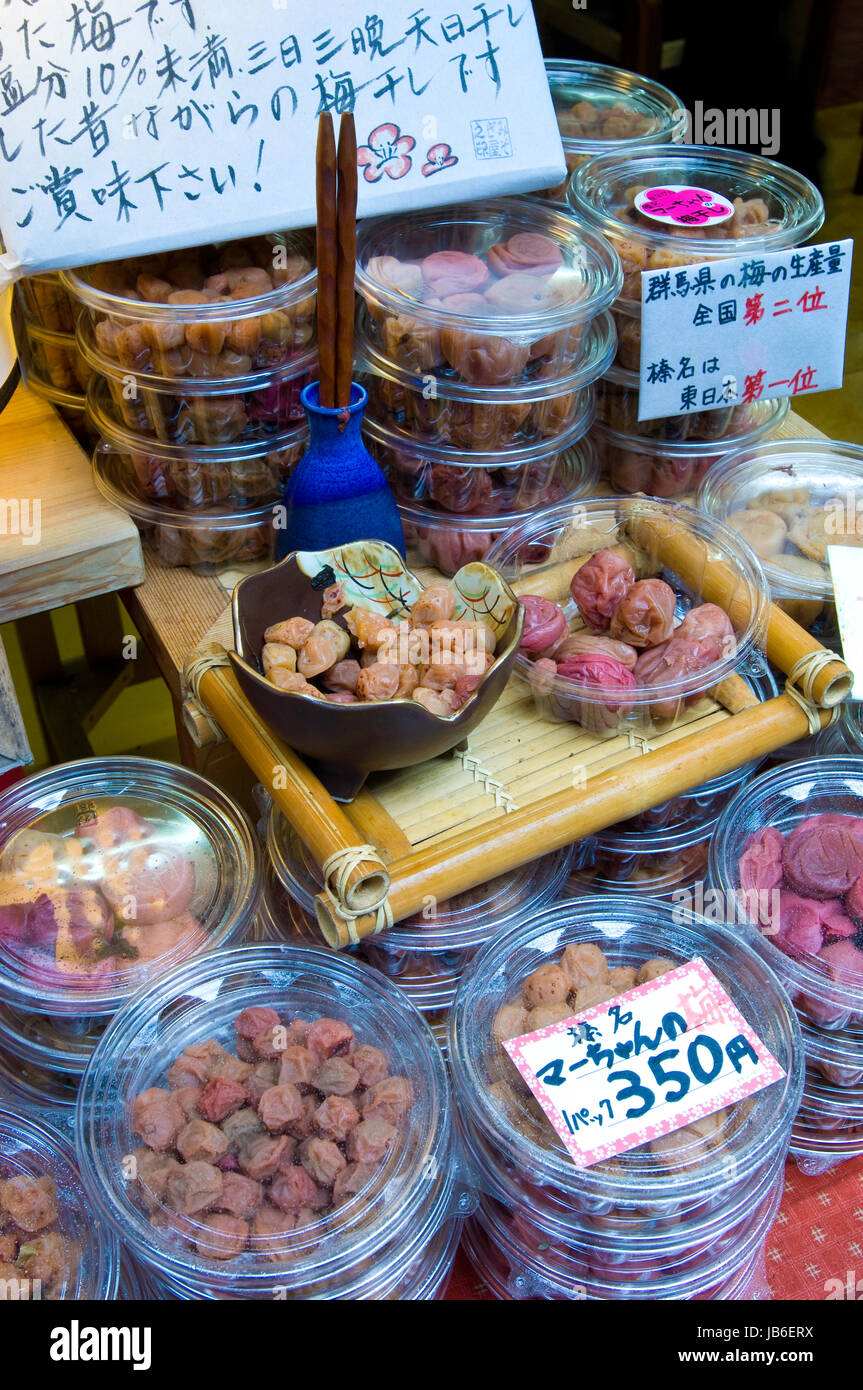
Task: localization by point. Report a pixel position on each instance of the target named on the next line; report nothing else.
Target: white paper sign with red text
(742, 330)
(648, 1062)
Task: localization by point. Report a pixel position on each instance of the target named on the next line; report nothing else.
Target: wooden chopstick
(347, 244)
(327, 255)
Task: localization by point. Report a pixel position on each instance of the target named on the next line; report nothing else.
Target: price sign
(649, 1062)
(846, 569)
(742, 330)
(136, 127)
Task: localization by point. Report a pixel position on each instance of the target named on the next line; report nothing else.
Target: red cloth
(818, 1236)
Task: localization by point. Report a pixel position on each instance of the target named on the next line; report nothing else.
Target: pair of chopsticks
(337, 250)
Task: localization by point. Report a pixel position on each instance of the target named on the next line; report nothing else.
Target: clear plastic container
(54, 1043)
(376, 1232)
(511, 478)
(211, 311)
(541, 553)
(836, 1057)
(451, 414)
(247, 472)
(635, 463)
(415, 1276)
(46, 1091)
(617, 409)
(647, 1237)
(45, 301)
(239, 411)
(666, 864)
(426, 954)
(616, 1271)
(71, 408)
(448, 540)
(511, 1272)
(704, 803)
(826, 989)
(829, 1125)
(494, 1102)
(113, 870)
(52, 357)
(601, 108)
(791, 498)
(206, 539)
(64, 1254)
(491, 294)
(764, 207)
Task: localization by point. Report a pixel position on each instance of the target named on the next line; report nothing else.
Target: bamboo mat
(514, 758)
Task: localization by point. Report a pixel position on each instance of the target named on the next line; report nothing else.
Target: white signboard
(153, 124)
(743, 329)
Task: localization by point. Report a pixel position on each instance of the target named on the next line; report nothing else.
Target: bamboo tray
(523, 787)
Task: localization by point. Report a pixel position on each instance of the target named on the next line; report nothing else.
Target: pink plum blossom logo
(388, 152)
(438, 157)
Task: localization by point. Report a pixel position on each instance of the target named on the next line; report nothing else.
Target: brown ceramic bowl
(344, 743)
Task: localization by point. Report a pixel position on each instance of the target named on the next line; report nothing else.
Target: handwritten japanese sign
(153, 124)
(744, 329)
(649, 1062)
(846, 570)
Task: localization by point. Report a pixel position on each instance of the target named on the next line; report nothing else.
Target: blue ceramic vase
(337, 493)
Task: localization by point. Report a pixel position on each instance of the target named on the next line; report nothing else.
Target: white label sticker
(684, 205)
(651, 1061)
(846, 569)
(744, 329)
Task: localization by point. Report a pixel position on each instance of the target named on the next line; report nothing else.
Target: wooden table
(87, 547)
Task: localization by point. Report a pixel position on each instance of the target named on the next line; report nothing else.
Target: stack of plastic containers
(791, 499)
(681, 1220)
(763, 207)
(788, 850)
(481, 330)
(113, 871)
(199, 358)
(390, 1228)
(425, 955)
(43, 318)
(50, 1246)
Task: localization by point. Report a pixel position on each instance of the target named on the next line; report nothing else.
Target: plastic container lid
(101, 286)
(64, 400)
(782, 799)
(585, 282)
(263, 442)
(554, 533)
(54, 1042)
(303, 365)
(598, 349)
(602, 191)
(507, 456)
(629, 933)
(830, 472)
(411, 1192)
(111, 476)
(656, 115)
(768, 417)
(91, 847)
(466, 919)
(53, 1092)
(663, 863)
(29, 1147)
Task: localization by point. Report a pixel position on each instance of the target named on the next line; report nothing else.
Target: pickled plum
(599, 585)
(235, 1176)
(544, 624)
(644, 616)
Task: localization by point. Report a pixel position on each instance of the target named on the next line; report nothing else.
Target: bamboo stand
(491, 840)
